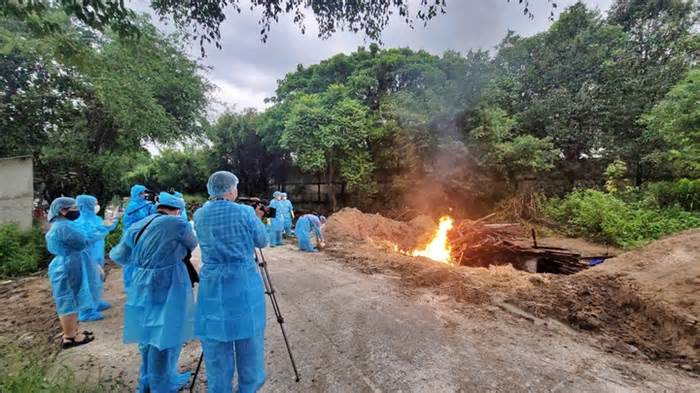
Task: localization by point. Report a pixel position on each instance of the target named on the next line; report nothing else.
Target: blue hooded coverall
(287, 209)
(305, 225)
(136, 210)
(159, 310)
(277, 228)
(230, 318)
(75, 281)
(92, 225)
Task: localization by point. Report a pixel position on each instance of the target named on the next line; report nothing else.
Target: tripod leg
(275, 306)
(196, 372)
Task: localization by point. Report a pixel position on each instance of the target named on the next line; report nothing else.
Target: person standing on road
(288, 210)
(136, 210)
(71, 263)
(93, 225)
(307, 224)
(159, 308)
(230, 318)
(277, 227)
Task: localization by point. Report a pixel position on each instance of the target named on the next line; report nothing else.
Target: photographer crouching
(159, 308)
(230, 317)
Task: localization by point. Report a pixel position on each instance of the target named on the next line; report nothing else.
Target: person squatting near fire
(136, 210)
(307, 224)
(277, 227)
(159, 308)
(75, 280)
(288, 210)
(93, 226)
(230, 317)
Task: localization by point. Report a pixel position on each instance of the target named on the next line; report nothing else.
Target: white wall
(16, 191)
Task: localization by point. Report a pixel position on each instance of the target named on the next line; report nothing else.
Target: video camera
(270, 212)
(152, 195)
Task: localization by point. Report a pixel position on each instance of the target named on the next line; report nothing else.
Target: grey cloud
(246, 69)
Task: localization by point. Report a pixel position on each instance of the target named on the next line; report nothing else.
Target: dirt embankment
(643, 303)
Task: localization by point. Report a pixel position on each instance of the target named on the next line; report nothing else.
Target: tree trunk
(330, 174)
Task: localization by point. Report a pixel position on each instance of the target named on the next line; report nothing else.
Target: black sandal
(88, 333)
(72, 343)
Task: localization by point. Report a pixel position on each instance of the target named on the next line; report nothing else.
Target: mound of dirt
(645, 300)
(352, 224)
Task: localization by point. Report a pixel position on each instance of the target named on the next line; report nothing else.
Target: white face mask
(97, 209)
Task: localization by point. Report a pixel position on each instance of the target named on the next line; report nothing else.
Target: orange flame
(439, 247)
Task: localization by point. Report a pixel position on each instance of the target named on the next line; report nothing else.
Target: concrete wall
(16, 191)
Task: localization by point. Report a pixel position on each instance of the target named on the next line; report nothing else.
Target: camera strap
(143, 228)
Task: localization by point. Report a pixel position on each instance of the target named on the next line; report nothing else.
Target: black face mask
(72, 214)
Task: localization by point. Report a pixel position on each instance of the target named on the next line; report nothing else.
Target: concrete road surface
(352, 332)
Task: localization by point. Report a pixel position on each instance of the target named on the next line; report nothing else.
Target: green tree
(238, 146)
(82, 101)
(659, 50)
(509, 155)
(673, 127)
(330, 133)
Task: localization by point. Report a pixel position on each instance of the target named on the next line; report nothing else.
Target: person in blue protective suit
(184, 211)
(277, 227)
(94, 226)
(307, 224)
(230, 318)
(137, 209)
(159, 308)
(288, 210)
(70, 247)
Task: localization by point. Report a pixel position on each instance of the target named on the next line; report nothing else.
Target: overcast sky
(246, 70)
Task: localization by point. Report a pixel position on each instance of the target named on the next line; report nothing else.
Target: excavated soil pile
(351, 224)
(645, 301)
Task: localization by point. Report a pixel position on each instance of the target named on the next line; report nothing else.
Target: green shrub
(605, 218)
(683, 193)
(113, 238)
(21, 251)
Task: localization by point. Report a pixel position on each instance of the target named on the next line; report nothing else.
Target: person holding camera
(139, 207)
(230, 317)
(159, 308)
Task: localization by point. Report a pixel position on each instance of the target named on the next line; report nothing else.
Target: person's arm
(189, 240)
(121, 253)
(73, 237)
(258, 228)
(316, 226)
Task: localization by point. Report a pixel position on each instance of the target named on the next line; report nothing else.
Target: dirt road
(353, 332)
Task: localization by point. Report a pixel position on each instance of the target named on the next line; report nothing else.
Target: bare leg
(69, 324)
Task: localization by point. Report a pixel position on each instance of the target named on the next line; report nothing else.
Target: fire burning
(439, 247)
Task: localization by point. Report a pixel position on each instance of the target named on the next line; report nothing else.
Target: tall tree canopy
(84, 103)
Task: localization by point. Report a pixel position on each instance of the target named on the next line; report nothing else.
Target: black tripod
(269, 291)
